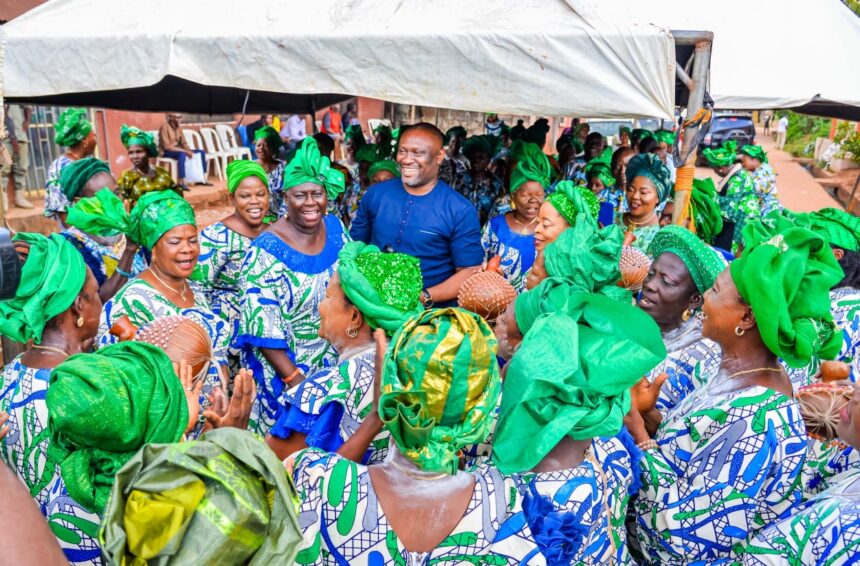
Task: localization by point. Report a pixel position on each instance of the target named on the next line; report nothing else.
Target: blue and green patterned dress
(280, 310)
(764, 180)
(102, 257)
(727, 464)
(25, 450)
(845, 306)
(740, 202)
(516, 250)
(331, 403)
(348, 526)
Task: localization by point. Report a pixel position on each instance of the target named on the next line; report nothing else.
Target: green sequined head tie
(384, 286)
(570, 200)
(703, 263)
(440, 386)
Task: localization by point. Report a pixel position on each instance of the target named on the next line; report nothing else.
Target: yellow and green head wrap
(76, 174)
(572, 374)
(72, 127)
(600, 167)
(51, 279)
(665, 136)
(705, 210)
(240, 169)
(309, 166)
(722, 156)
(384, 165)
(703, 262)
(164, 499)
(369, 153)
(588, 258)
(649, 165)
(103, 407)
(532, 165)
(571, 200)
(841, 229)
(383, 286)
(786, 280)
(129, 135)
(440, 386)
(755, 151)
(272, 137)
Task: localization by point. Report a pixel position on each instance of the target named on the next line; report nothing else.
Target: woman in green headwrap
(648, 187)
(477, 183)
(103, 408)
(683, 269)
(510, 235)
(733, 450)
(735, 193)
(560, 211)
(142, 177)
(162, 222)
(329, 408)
(439, 386)
(382, 171)
(223, 245)
(558, 428)
(55, 311)
(283, 278)
(113, 258)
(754, 161)
(267, 144)
(74, 132)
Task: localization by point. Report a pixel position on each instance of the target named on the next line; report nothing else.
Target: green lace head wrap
(649, 165)
(155, 214)
(103, 407)
(440, 386)
(164, 499)
(384, 165)
(72, 127)
(722, 156)
(272, 137)
(51, 279)
(786, 280)
(571, 200)
(383, 286)
(309, 166)
(76, 174)
(703, 263)
(841, 229)
(572, 374)
(755, 151)
(705, 210)
(240, 169)
(129, 135)
(532, 165)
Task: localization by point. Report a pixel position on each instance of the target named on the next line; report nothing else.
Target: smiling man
(420, 215)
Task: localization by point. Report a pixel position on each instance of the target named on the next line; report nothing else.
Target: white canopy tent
(537, 57)
(767, 53)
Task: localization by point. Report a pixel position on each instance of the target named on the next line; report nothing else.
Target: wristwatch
(426, 299)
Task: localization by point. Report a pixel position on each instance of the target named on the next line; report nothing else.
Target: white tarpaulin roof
(525, 57)
(766, 53)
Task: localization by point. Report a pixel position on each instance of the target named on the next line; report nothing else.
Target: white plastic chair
(195, 141)
(212, 144)
(171, 165)
(229, 142)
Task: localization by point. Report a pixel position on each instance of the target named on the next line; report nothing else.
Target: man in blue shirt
(420, 215)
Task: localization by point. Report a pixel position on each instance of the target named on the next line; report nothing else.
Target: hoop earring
(739, 331)
(685, 316)
(352, 332)
(80, 322)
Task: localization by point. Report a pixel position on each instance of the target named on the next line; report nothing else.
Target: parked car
(610, 129)
(730, 126)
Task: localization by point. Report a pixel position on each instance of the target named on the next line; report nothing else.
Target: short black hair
(850, 264)
(325, 143)
(647, 145)
(425, 127)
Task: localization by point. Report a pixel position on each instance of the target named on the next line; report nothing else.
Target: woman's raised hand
(192, 391)
(238, 410)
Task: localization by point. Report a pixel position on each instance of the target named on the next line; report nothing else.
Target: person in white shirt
(294, 131)
(781, 128)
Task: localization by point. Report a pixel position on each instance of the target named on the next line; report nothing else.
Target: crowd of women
(267, 389)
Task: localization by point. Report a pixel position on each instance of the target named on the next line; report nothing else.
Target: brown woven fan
(487, 293)
(634, 265)
(820, 404)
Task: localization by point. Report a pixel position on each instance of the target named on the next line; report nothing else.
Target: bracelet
(647, 445)
(426, 299)
(292, 376)
(125, 274)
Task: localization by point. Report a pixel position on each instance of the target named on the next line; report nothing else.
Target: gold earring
(739, 331)
(80, 322)
(685, 316)
(352, 332)
(513, 204)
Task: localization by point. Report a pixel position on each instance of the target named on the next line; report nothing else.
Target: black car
(724, 127)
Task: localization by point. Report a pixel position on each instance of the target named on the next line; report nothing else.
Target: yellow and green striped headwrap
(440, 386)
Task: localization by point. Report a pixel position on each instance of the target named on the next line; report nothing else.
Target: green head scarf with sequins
(72, 127)
(383, 286)
(440, 386)
(571, 200)
(309, 166)
(703, 263)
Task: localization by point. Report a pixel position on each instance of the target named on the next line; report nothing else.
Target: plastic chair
(171, 165)
(212, 144)
(229, 143)
(195, 141)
